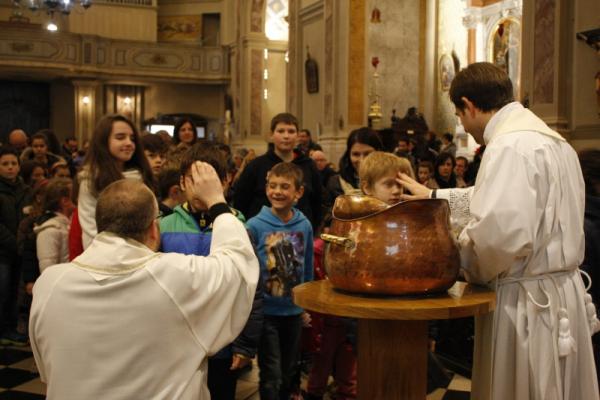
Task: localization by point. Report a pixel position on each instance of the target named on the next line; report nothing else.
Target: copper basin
(402, 249)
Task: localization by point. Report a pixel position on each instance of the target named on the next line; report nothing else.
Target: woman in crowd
(115, 153)
(444, 174)
(185, 133)
(361, 142)
(32, 172)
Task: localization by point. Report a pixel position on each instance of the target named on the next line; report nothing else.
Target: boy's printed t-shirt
(285, 252)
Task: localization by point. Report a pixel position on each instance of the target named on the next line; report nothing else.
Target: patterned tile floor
(19, 380)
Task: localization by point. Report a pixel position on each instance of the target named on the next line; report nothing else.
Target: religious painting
(311, 70)
(505, 49)
(447, 72)
(179, 28)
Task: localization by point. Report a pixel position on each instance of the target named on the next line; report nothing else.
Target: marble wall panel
(43, 49)
(395, 41)
(356, 63)
(329, 78)
(257, 14)
(256, 91)
(452, 36)
(292, 81)
(543, 53)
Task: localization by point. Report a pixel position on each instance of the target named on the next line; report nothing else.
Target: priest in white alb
(123, 321)
(521, 233)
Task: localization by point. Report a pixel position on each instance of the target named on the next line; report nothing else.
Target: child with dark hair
(115, 153)
(425, 174)
(155, 150)
(26, 239)
(448, 145)
(284, 241)
(169, 191)
(52, 228)
(32, 172)
(13, 195)
(249, 190)
(60, 169)
(188, 230)
(40, 151)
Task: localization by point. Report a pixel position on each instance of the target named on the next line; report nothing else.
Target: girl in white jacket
(115, 153)
(52, 228)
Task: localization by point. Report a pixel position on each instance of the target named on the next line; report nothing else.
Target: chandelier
(51, 7)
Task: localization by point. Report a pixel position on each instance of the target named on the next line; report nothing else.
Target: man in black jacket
(13, 195)
(249, 191)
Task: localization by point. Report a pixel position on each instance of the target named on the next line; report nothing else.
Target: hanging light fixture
(52, 8)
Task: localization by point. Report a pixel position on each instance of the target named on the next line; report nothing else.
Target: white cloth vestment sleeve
(214, 293)
(503, 216)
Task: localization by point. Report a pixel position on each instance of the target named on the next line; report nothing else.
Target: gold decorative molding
(19, 47)
(356, 63)
(74, 55)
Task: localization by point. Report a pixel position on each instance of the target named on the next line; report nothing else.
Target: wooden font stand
(392, 332)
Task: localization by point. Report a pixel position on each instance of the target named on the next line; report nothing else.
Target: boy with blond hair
(377, 175)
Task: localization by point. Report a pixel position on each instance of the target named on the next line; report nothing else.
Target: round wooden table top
(461, 300)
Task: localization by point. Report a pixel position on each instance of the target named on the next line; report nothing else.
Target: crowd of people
(55, 195)
(65, 203)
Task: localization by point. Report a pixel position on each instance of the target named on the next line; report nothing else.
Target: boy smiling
(249, 191)
(284, 242)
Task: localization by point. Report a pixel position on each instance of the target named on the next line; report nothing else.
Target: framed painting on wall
(179, 28)
(311, 72)
(447, 71)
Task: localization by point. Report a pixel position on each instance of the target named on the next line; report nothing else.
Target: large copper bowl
(402, 249)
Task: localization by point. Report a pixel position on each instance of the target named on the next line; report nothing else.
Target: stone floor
(19, 380)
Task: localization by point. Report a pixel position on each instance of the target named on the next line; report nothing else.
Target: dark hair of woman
(27, 168)
(362, 135)
(51, 140)
(442, 182)
(180, 122)
(103, 168)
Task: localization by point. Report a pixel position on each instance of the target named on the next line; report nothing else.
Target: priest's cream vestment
(124, 322)
(524, 238)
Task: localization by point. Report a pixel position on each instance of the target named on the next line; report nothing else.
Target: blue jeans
(9, 285)
(278, 355)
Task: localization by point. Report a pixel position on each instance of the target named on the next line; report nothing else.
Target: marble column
(86, 102)
(247, 74)
(542, 52)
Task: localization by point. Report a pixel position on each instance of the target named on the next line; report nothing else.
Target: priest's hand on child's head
(205, 184)
(414, 188)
